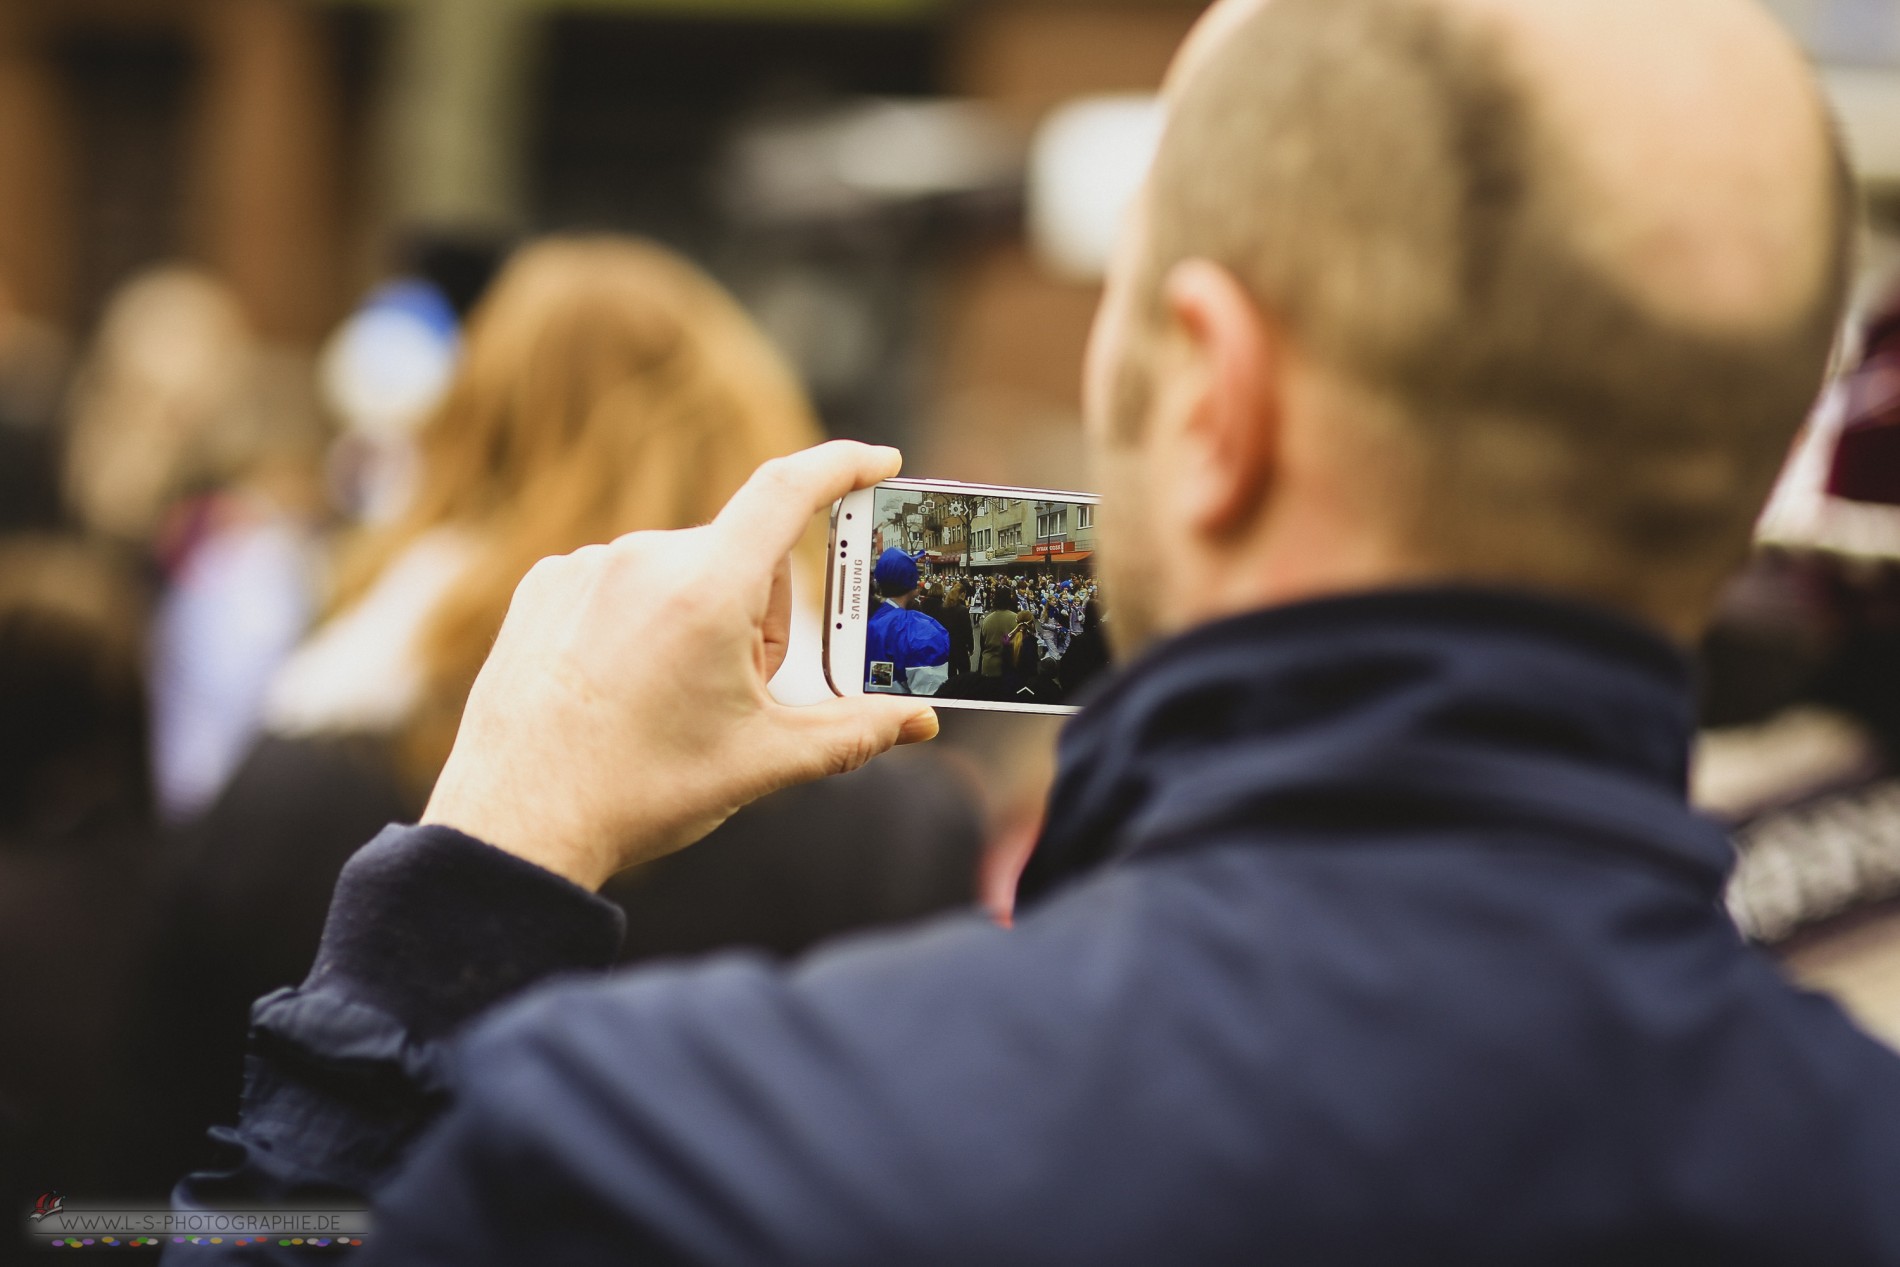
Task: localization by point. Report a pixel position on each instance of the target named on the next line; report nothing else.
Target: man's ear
(1229, 434)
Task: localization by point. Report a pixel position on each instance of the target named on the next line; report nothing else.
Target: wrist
(432, 926)
(507, 820)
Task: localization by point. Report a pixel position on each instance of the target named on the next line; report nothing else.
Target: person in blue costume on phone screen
(916, 646)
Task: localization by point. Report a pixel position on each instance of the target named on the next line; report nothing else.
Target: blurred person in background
(1802, 674)
(33, 369)
(78, 868)
(606, 387)
(382, 373)
(198, 450)
(384, 369)
(154, 402)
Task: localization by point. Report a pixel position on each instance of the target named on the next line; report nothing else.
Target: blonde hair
(177, 396)
(607, 386)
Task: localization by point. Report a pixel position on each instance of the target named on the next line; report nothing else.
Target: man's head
(895, 576)
(1531, 292)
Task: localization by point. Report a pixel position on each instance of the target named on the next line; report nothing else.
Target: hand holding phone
(974, 595)
(623, 711)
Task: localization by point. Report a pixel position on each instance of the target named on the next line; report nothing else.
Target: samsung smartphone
(974, 595)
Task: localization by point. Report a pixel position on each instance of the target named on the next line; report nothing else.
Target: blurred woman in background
(606, 386)
(156, 412)
(198, 449)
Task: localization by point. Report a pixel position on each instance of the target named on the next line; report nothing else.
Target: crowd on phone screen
(1021, 636)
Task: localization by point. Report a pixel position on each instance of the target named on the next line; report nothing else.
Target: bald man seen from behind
(1442, 370)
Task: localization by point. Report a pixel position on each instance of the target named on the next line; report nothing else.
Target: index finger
(769, 513)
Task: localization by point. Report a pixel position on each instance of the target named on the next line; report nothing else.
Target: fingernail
(919, 728)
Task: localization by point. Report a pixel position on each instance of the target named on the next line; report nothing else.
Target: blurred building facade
(294, 146)
(854, 169)
(133, 132)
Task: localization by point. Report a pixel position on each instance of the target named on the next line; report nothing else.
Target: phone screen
(982, 598)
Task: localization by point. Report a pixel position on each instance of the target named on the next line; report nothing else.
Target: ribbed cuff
(434, 926)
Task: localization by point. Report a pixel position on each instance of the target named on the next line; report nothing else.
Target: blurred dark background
(300, 150)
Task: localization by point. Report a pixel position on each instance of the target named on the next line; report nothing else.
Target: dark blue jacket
(1374, 931)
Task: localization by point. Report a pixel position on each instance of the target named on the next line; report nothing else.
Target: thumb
(840, 735)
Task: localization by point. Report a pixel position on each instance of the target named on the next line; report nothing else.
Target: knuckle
(779, 475)
(854, 750)
(625, 555)
(543, 574)
(695, 605)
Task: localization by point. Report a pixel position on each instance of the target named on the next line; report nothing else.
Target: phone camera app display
(982, 598)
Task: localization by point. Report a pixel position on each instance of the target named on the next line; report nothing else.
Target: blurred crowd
(243, 596)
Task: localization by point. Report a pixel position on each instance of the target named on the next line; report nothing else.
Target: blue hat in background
(386, 366)
(896, 573)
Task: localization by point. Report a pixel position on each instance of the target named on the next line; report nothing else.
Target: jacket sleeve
(735, 1111)
(427, 929)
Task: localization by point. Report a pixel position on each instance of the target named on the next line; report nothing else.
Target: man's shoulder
(925, 631)
(934, 1020)
(872, 989)
(864, 1092)
(1243, 1016)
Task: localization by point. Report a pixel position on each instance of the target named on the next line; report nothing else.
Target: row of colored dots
(323, 1242)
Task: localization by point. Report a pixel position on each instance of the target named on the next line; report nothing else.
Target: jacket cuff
(433, 926)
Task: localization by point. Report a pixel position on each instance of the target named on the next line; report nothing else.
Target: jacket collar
(1375, 714)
